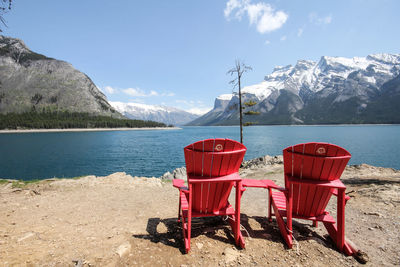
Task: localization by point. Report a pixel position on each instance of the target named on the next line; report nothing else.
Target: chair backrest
(212, 158)
(313, 161)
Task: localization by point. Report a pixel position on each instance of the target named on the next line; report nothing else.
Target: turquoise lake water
(152, 153)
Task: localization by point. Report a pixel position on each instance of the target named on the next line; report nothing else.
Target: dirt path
(119, 220)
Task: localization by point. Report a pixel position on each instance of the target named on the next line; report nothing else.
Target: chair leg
(340, 218)
(337, 233)
(186, 222)
(237, 234)
(189, 233)
(236, 226)
(179, 209)
(283, 227)
(269, 205)
(333, 233)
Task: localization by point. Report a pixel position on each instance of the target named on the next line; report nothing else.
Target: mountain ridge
(158, 113)
(332, 90)
(31, 81)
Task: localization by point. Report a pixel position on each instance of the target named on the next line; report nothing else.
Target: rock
(262, 162)
(373, 213)
(28, 235)
(77, 263)
(361, 257)
(167, 176)
(123, 249)
(230, 255)
(161, 228)
(178, 173)
(199, 245)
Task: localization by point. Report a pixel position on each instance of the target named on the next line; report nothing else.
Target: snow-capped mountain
(332, 90)
(167, 115)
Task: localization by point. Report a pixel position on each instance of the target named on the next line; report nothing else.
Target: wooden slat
(309, 155)
(216, 165)
(314, 204)
(189, 160)
(326, 171)
(207, 164)
(309, 200)
(215, 196)
(227, 159)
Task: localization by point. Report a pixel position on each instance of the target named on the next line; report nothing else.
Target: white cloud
(235, 4)
(300, 32)
(267, 42)
(137, 100)
(153, 93)
(314, 18)
(199, 110)
(327, 19)
(262, 15)
(283, 38)
(137, 92)
(108, 89)
(196, 107)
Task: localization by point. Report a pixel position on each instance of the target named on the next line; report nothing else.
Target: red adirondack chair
(212, 170)
(312, 173)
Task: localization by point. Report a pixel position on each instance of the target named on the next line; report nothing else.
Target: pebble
(28, 235)
(230, 255)
(123, 249)
(199, 245)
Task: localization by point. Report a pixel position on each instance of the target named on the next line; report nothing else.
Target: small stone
(373, 213)
(28, 235)
(162, 228)
(199, 245)
(230, 255)
(77, 263)
(123, 249)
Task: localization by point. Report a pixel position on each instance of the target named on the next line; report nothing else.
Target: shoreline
(87, 130)
(301, 125)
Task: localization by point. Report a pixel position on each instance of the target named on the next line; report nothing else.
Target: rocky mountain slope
(30, 81)
(167, 115)
(332, 90)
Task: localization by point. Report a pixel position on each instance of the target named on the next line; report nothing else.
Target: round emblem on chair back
(321, 150)
(219, 147)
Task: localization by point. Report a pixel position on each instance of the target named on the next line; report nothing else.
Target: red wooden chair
(212, 170)
(312, 173)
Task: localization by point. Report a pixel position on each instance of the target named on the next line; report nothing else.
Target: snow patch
(225, 97)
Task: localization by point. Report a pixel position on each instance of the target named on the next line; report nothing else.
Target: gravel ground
(121, 220)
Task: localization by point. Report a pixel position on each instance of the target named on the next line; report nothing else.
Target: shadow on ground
(169, 232)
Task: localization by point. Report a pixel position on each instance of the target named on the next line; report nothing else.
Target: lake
(154, 152)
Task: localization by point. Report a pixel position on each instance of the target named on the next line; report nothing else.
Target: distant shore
(88, 130)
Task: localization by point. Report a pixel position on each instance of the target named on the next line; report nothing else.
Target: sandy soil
(88, 130)
(121, 220)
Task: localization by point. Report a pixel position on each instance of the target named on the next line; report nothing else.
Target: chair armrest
(242, 188)
(335, 193)
(279, 188)
(272, 185)
(331, 184)
(180, 184)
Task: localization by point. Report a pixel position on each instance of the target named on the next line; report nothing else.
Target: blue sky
(177, 53)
